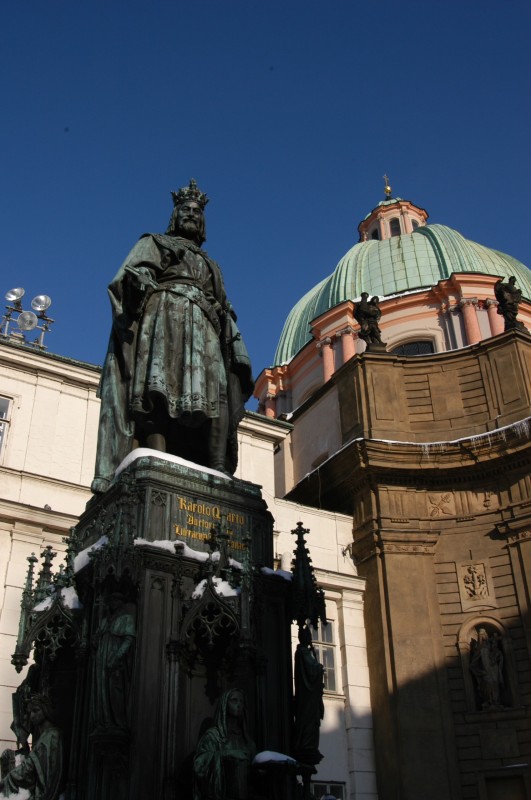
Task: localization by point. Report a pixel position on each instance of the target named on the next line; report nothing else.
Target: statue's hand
(142, 277)
(229, 309)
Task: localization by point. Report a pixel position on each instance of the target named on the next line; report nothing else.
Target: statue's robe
(221, 764)
(41, 771)
(169, 342)
(112, 670)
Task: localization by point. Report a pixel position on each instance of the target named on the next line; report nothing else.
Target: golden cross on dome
(387, 188)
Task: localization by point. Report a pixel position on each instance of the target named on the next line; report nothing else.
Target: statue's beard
(190, 229)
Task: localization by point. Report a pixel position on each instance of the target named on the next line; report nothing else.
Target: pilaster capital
(490, 303)
(325, 342)
(468, 301)
(348, 331)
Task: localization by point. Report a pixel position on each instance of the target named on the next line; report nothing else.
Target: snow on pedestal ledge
(143, 452)
(267, 756)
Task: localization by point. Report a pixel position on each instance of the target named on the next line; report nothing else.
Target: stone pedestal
(202, 622)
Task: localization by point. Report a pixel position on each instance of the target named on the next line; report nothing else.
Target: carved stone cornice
(515, 537)
(388, 542)
(515, 530)
(422, 543)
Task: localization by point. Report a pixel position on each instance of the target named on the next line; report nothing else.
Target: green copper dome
(392, 266)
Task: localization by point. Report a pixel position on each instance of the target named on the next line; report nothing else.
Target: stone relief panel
(441, 505)
(475, 585)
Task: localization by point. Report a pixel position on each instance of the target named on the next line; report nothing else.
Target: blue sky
(286, 113)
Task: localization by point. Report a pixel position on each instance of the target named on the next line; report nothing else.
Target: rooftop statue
(509, 298)
(177, 373)
(368, 315)
(40, 772)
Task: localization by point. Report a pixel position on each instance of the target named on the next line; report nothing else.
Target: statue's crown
(190, 192)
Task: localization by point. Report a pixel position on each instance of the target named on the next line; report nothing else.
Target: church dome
(393, 266)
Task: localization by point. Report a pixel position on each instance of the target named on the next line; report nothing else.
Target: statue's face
(235, 704)
(36, 714)
(190, 220)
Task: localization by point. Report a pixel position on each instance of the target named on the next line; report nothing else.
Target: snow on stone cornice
(196, 555)
(520, 429)
(143, 452)
(221, 587)
(267, 756)
(82, 559)
(69, 599)
(169, 545)
(280, 573)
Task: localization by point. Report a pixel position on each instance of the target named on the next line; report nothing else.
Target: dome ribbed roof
(399, 264)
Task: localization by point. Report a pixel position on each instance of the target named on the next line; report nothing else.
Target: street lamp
(16, 327)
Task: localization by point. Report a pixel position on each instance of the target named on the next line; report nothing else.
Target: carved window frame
(6, 410)
(395, 228)
(324, 644)
(335, 788)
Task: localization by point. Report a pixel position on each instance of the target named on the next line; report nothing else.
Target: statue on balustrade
(509, 298)
(224, 753)
(39, 772)
(177, 373)
(368, 314)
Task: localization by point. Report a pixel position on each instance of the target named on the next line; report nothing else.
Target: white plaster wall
(317, 434)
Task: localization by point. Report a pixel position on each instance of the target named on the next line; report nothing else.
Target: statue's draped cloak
(309, 708)
(218, 754)
(41, 771)
(168, 342)
(112, 670)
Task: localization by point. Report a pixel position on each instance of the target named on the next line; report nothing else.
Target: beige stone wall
(437, 398)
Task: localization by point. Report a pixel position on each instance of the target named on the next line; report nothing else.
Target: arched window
(419, 348)
(414, 224)
(375, 234)
(395, 226)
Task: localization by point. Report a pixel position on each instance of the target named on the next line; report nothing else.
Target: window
(323, 643)
(395, 226)
(414, 224)
(329, 790)
(4, 421)
(375, 234)
(420, 348)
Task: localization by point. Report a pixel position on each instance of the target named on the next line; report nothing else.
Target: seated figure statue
(40, 772)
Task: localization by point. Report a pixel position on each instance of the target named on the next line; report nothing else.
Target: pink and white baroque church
(436, 293)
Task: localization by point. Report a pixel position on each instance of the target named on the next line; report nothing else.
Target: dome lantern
(391, 217)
